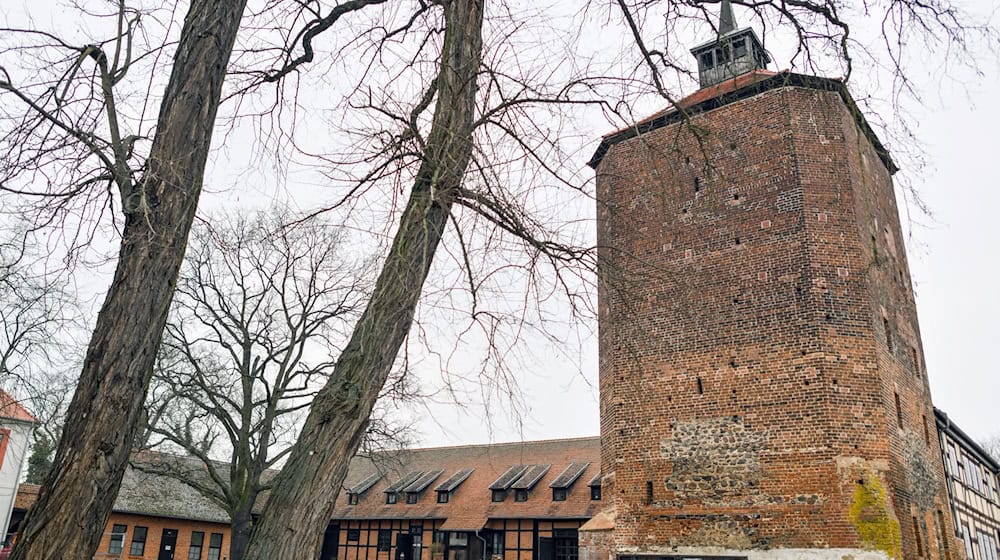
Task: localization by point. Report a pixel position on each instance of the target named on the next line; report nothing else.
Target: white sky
(953, 261)
(954, 257)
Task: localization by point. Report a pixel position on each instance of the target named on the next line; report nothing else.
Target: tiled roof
(736, 89)
(10, 408)
(470, 505)
(148, 494)
(27, 495)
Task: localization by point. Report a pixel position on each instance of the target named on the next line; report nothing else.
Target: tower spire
(727, 22)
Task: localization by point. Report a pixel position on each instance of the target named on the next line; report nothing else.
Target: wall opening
(899, 411)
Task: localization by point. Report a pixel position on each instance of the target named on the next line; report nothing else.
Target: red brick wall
(155, 526)
(746, 383)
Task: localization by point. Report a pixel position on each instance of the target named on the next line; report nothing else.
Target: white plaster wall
(10, 472)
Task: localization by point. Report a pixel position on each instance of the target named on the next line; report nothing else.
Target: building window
(411, 498)
(566, 544)
(197, 541)
(443, 497)
(595, 492)
(987, 546)
(417, 533)
(499, 495)
(353, 535)
(970, 553)
(916, 535)
(520, 495)
(888, 335)
(739, 48)
(494, 544)
(899, 411)
(138, 547)
(352, 499)
(558, 494)
(384, 540)
(117, 543)
(215, 546)
(390, 497)
(974, 476)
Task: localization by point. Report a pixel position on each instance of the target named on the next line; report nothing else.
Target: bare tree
(991, 445)
(259, 312)
(36, 312)
(302, 501)
(158, 203)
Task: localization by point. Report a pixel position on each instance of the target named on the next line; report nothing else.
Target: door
(168, 542)
(404, 546)
(331, 540)
(546, 548)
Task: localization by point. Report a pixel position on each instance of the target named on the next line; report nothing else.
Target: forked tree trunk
(70, 516)
(302, 501)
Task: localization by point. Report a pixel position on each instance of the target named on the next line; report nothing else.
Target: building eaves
(968, 444)
(737, 89)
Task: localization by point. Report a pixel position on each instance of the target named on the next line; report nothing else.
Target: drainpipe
(484, 544)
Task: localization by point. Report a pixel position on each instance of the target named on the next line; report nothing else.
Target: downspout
(949, 482)
(483, 554)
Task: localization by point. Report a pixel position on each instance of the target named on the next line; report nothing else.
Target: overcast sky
(954, 257)
(953, 260)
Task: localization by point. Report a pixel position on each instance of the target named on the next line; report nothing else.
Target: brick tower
(762, 386)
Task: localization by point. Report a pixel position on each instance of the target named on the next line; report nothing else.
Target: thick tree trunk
(242, 527)
(299, 507)
(69, 518)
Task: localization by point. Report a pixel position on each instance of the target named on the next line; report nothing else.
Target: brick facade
(761, 373)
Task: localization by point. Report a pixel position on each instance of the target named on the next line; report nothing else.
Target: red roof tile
(705, 94)
(27, 495)
(470, 505)
(10, 408)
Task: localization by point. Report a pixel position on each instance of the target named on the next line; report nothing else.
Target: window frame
(559, 494)
(384, 542)
(595, 493)
(214, 546)
(498, 496)
(199, 545)
(121, 543)
(353, 535)
(136, 532)
(521, 495)
(443, 496)
(391, 498)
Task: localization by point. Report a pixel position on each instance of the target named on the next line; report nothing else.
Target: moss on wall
(870, 516)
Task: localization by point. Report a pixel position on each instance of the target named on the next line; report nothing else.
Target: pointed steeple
(733, 52)
(727, 21)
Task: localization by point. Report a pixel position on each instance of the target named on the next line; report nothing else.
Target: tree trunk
(242, 527)
(69, 518)
(302, 501)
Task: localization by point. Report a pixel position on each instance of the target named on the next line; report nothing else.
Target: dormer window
(391, 497)
(498, 495)
(352, 499)
(411, 498)
(520, 495)
(558, 494)
(443, 497)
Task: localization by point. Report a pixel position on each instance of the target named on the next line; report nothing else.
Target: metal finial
(727, 22)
